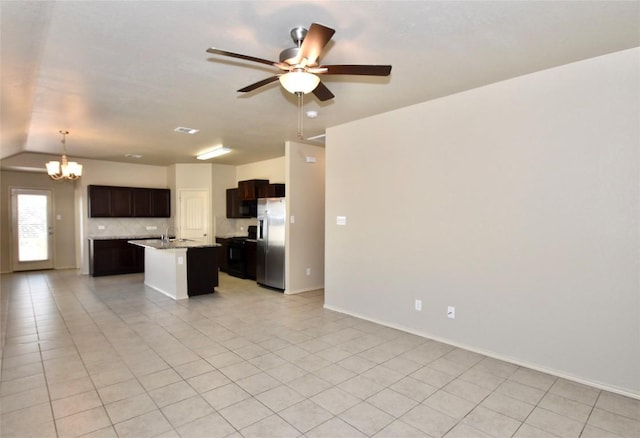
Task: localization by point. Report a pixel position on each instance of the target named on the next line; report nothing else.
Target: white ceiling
(122, 75)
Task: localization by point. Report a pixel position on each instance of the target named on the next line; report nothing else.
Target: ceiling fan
(300, 65)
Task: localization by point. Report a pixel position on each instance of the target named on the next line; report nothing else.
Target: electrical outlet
(308, 271)
(451, 312)
(419, 305)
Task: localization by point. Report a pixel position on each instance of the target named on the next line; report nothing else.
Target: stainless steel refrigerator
(270, 248)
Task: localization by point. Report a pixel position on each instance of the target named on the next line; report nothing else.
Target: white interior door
(193, 222)
(32, 229)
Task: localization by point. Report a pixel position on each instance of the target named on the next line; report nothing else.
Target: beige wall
(305, 203)
(273, 170)
(64, 254)
(517, 203)
(224, 177)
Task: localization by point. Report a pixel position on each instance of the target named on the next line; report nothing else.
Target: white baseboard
(494, 355)
(299, 291)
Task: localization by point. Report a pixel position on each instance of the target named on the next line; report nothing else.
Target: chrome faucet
(165, 236)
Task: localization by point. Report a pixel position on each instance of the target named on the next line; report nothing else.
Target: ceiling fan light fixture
(299, 82)
(216, 152)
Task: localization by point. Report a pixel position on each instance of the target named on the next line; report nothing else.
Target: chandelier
(64, 169)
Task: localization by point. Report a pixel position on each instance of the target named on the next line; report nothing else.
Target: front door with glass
(32, 229)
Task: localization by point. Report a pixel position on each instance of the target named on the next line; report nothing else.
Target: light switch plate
(341, 220)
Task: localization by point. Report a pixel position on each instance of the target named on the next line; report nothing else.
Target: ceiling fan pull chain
(300, 116)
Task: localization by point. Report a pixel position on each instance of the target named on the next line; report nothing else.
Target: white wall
(517, 203)
(305, 202)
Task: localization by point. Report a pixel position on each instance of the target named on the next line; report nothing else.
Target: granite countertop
(173, 243)
(129, 237)
(229, 236)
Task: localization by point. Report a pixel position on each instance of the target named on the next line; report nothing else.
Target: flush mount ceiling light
(216, 152)
(184, 130)
(64, 169)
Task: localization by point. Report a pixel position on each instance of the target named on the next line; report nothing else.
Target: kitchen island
(180, 268)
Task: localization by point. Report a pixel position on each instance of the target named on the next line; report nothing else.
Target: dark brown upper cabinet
(248, 190)
(271, 191)
(233, 204)
(109, 201)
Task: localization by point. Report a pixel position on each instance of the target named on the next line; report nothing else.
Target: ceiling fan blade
(258, 84)
(247, 58)
(317, 37)
(322, 92)
(365, 70)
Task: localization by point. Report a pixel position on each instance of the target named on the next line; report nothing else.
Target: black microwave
(249, 208)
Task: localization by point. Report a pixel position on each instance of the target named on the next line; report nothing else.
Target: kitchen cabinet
(271, 191)
(160, 202)
(111, 201)
(141, 202)
(223, 253)
(151, 202)
(202, 270)
(99, 201)
(248, 190)
(238, 209)
(106, 201)
(251, 247)
(233, 204)
(242, 202)
(114, 256)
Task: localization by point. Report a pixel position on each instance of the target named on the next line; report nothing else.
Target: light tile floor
(108, 357)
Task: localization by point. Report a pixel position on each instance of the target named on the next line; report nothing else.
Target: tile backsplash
(129, 227)
(142, 227)
(232, 227)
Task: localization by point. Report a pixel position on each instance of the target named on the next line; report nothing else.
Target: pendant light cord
(63, 141)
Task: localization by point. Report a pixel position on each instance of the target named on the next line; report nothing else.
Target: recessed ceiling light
(312, 114)
(216, 152)
(184, 130)
(133, 155)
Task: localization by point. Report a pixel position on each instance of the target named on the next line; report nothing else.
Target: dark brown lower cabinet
(202, 270)
(250, 254)
(223, 254)
(114, 256)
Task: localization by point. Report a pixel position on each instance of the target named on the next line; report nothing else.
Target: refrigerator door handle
(266, 238)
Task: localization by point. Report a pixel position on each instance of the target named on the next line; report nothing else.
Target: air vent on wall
(186, 130)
